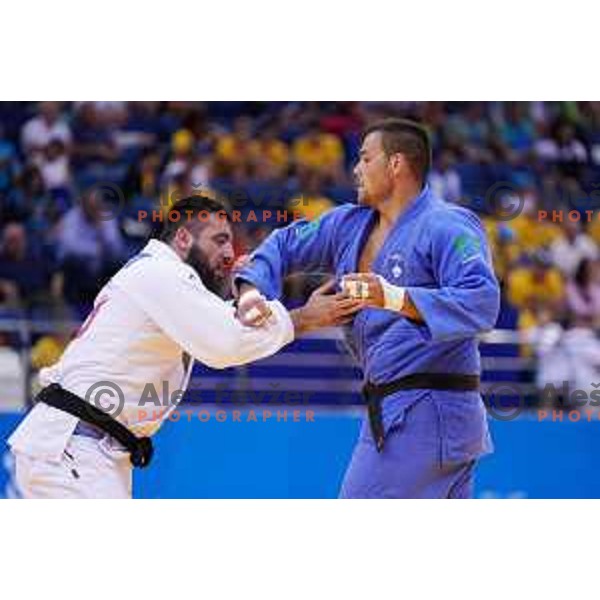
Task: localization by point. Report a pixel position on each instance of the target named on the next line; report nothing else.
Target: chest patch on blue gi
(395, 265)
(468, 247)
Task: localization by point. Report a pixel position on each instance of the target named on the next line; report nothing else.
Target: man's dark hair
(408, 138)
(188, 210)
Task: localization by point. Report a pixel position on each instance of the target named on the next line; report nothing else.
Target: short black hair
(186, 211)
(406, 137)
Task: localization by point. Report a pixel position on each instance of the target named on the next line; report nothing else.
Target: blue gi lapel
(415, 208)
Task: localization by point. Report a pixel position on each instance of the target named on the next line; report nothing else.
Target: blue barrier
(307, 459)
(250, 459)
(8, 421)
(541, 460)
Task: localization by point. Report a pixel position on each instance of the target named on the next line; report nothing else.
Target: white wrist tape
(394, 295)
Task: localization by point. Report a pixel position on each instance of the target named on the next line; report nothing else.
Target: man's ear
(397, 163)
(183, 241)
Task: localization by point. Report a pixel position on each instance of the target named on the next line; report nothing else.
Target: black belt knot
(375, 393)
(140, 449)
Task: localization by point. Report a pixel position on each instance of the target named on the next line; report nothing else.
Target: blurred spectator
(572, 247)
(182, 152)
(545, 338)
(322, 152)
(29, 202)
(444, 178)
(582, 352)
(344, 119)
(47, 125)
(24, 279)
(89, 251)
(571, 148)
(469, 126)
(593, 228)
(311, 203)
(532, 233)
(268, 148)
(48, 349)
(94, 141)
(564, 148)
(504, 247)
(143, 176)
(583, 293)
(9, 164)
(517, 130)
(179, 187)
(591, 111)
(139, 126)
(12, 378)
(536, 289)
(571, 355)
(234, 148)
(54, 166)
(184, 166)
(112, 113)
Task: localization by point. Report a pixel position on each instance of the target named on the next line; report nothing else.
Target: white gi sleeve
(204, 325)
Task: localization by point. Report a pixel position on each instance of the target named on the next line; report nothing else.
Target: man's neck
(178, 251)
(391, 209)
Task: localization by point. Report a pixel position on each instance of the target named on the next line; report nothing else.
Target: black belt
(374, 394)
(140, 449)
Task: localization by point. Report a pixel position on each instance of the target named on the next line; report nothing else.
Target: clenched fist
(325, 309)
(366, 287)
(253, 309)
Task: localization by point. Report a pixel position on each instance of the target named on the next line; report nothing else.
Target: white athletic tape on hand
(250, 295)
(350, 288)
(359, 290)
(253, 314)
(394, 295)
(364, 290)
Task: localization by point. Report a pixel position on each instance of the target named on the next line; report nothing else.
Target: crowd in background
(56, 252)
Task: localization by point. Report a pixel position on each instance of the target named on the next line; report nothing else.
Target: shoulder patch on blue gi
(308, 229)
(468, 247)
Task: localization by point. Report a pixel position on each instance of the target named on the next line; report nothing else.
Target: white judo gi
(147, 322)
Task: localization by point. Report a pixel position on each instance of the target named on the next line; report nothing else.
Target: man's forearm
(410, 311)
(301, 321)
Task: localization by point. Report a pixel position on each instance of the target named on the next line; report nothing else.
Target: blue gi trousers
(432, 442)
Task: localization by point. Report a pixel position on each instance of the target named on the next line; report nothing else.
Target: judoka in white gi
(160, 311)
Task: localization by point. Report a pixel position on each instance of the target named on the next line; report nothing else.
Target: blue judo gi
(439, 253)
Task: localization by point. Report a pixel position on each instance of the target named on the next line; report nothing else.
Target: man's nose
(228, 254)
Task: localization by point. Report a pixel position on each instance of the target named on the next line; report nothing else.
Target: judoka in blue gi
(424, 269)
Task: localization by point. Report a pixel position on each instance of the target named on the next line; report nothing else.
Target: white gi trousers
(88, 468)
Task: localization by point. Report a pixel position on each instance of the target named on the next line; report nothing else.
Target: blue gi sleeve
(466, 300)
(303, 246)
